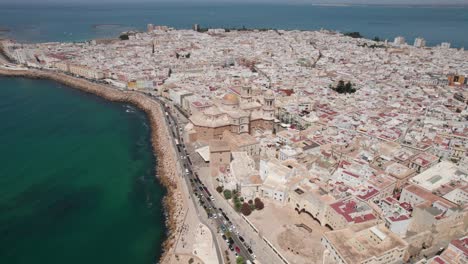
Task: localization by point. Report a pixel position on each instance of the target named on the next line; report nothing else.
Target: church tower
(269, 105)
(246, 94)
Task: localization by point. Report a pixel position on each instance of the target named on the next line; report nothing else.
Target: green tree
(237, 206)
(240, 260)
(353, 34)
(124, 37)
(237, 203)
(343, 87)
(227, 194)
(340, 87)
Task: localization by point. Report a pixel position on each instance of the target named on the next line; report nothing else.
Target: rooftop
(358, 242)
(353, 210)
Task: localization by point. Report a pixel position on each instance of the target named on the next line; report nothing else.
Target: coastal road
(174, 131)
(199, 190)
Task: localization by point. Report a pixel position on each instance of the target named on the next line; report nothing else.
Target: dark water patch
(73, 202)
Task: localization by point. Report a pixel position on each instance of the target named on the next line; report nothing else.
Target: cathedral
(237, 113)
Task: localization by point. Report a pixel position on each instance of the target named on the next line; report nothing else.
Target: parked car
(237, 249)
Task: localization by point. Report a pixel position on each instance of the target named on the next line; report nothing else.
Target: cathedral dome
(230, 99)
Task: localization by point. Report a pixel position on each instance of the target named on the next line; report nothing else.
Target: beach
(166, 171)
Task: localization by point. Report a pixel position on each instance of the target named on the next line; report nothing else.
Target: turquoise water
(76, 178)
(83, 22)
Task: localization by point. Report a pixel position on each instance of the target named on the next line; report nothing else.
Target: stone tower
(269, 105)
(246, 94)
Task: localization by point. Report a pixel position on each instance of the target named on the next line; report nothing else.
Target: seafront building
(419, 42)
(385, 168)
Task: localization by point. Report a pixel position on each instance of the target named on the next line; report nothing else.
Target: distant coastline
(436, 23)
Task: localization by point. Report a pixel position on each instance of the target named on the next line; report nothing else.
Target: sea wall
(161, 141)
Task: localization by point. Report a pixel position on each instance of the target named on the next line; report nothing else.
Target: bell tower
(246, 94)
(269, 105)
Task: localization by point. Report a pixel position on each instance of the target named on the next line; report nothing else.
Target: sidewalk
(263, 253)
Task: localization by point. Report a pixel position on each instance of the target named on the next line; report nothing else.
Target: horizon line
(243, 2)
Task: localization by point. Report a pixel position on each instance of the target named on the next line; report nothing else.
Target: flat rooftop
(438, 175)
(362, 241)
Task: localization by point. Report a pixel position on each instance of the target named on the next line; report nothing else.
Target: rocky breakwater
(166, 164)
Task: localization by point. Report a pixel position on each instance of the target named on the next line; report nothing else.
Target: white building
(399, 41)
(177, 95)
(445, 45)
(274, 176)
(419, 42)
(439, 175)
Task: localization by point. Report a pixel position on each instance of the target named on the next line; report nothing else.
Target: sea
(46, 22)
(77, 178)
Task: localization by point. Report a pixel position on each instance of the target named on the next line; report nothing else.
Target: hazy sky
(409, 2)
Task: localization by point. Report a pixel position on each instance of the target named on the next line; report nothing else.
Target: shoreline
(165, 170)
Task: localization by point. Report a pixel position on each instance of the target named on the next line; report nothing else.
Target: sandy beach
(166, 169)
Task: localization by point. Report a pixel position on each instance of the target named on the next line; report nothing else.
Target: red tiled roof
(461, 244)
(399, 218)
(364, 218)
(351, 174)
(406, 206)
(439, 260)
(347, 208)
(370, 193)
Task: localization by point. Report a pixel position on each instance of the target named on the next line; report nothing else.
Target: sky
(386, 2)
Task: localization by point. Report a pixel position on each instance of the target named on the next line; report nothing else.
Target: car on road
(251, 252)
(241, 239)
(223, 228)
(231, 247)
(237, 249)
